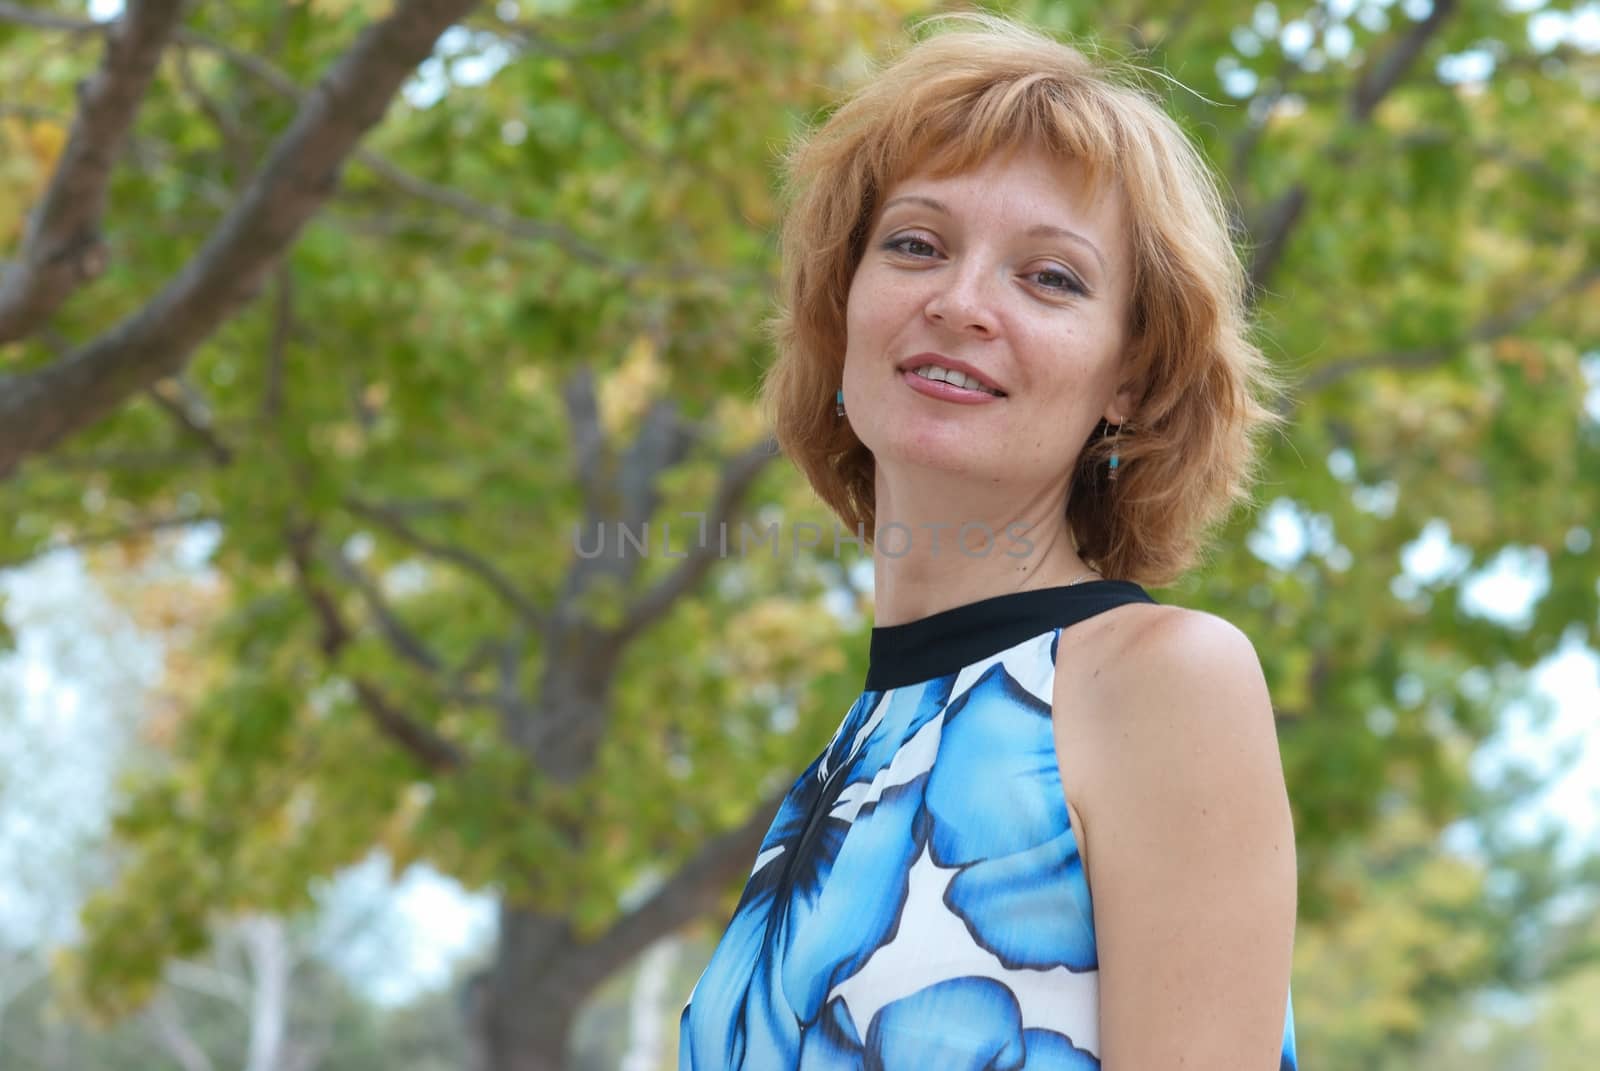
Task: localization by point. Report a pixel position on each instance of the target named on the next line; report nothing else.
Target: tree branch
(208, 981)
(737, 476)
(572, 701)
(1281, 218)
(1383, 76)
(1487, 330)
(125, 460)
(432, 750)
(405, 642)
(143, 526)
(166, 1023)
(1555, 184)
(499, 219)
(41, 408)
(502, 221)
(1261, 107)
(272, 977)
(663, 441)
(626, 488)
(177, 398)
(1377, 82)
(62, 248)
(496, 581)
(237, 142)
(692, 891)
(583, 423)
(601, 35)
(48, 20)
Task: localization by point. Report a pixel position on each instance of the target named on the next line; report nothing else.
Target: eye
(1069, 282)
(898, 244)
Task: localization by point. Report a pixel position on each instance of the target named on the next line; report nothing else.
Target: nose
(962, 302)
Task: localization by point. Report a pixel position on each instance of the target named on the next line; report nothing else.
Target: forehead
(1027, 181)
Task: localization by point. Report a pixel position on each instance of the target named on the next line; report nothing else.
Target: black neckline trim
(952, 639)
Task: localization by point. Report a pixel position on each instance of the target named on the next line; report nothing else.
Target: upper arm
(1193, 872)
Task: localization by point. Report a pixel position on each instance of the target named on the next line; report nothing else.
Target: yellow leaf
(628, 391)
(46, 139)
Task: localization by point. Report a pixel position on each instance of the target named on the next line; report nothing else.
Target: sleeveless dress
(919, 903)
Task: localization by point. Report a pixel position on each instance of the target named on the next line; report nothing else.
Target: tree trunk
(521, 1010)
(520, 1015)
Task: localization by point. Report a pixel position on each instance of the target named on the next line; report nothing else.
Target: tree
(1423, 940)
(255, 1001)
(450, 372)
(266, 995)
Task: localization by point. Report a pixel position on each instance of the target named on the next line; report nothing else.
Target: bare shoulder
(1166, 637)
(1173, 695)
(1181, 789)
(1143, 666)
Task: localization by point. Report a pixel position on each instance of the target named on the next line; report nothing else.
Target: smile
(936, 382)
(953, 377)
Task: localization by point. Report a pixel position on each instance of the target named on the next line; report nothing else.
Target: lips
(911, 364)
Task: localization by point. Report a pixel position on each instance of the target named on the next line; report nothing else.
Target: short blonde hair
(1190, 450)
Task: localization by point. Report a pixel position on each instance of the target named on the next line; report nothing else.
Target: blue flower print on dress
(1020, 886)
(849, 814)
(919, 902)
(980, 1029)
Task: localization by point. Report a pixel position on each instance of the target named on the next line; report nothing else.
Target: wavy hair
(1191, 449)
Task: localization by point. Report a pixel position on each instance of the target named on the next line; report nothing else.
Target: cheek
(1081, 353)
(878, 295)
(869, 323)
(857, 304)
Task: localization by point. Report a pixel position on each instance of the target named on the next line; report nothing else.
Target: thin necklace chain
(1081, 579)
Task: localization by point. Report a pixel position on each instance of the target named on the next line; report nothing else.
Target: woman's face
(1015, 272)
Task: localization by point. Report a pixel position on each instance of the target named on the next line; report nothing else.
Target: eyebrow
(1038, 230)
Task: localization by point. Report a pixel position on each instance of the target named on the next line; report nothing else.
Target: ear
(1120, 407)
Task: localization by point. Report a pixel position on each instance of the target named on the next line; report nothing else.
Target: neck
(940, 546)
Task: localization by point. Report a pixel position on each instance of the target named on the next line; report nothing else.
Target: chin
(948, 453)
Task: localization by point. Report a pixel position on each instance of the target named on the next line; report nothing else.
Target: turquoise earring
(1115, 460)
(838, 403)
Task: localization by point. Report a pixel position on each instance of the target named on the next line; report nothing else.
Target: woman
(1052, 831)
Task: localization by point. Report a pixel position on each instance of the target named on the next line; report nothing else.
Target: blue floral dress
(897, 917)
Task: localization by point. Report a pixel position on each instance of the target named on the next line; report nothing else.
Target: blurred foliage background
(322, 428)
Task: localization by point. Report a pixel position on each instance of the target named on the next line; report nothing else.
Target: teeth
(954, 378)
